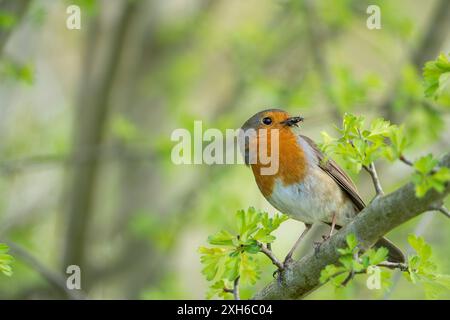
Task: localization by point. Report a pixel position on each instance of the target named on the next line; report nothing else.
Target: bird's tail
(395, 254)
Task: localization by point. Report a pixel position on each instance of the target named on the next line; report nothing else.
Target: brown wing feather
(338, 175)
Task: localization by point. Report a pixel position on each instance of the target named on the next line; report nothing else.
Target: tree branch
(406, 161)
(393, 265)
(56, 279)
(377, 219)
(271, 256)
(442, 209)
(236, 289)
(376, 181)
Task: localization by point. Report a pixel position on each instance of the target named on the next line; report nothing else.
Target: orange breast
(292, 163)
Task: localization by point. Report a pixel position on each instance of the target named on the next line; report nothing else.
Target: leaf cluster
(352, 261)
(233, 254)
(359, 146)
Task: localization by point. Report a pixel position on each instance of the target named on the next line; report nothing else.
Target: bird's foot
(278, 274)
(318, 244)
(325, 237)
(287, 263)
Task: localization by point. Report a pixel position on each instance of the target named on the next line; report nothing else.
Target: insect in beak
(292, 121)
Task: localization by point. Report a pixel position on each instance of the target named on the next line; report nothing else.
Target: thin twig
(411, 164)
(351, 274)
(442, 209)
(271, 256)
(393, 265)
(406, 161)
(236, 289)
(376, 181)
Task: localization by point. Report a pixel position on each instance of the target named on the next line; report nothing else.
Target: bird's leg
(288, 258)
(333, 225)
(328, 236)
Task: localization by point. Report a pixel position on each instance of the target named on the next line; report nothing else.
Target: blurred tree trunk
(91, 109)
(140, 182)
(433, 37)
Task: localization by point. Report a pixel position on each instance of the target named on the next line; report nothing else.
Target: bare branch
(376, 181)
(411, 164)
(236, 289)
(393, 265)
(271, 256)
(406, 161)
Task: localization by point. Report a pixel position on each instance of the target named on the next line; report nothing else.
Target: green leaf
(232, 267)
(379, 127)
(218, 289)
(213, 260)
(378, 256)
(436, 76)
(426, 182)
(351, 240)
(359, 147)
(247, 222)
(425, 179)
(425, 164)
(386, 282)
(421, 269)
(347, 262)
(399, 142)
(442, 175)
(249, 269)
(339, 279)
(222, 238)
(420, 246)
(235, 256)
(330, 271)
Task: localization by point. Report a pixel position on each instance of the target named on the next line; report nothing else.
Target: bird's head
(264, 123)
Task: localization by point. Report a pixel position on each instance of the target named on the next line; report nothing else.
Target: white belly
(313, 200)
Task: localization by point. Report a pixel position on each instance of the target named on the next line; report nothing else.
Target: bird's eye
(267, 121)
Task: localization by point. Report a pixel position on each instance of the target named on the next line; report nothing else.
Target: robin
(307, 186)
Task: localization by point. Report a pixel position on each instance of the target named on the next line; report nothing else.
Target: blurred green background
(86, 116)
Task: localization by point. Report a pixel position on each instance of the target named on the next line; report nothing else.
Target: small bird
(307, 186)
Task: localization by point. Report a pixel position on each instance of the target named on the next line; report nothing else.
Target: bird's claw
(325, 237)
(318, 244)
(279, 272)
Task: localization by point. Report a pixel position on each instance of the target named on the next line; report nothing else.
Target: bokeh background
(86, 117)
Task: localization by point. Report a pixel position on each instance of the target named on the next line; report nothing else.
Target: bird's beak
(292, 121)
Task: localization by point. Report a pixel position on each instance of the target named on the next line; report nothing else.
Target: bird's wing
(338, 175)
(346, 183)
